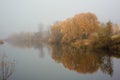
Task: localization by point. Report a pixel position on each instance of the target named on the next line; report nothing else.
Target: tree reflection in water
(106, 66)
(6, 68)
(39, 45)
(83, 61)
(74, 59)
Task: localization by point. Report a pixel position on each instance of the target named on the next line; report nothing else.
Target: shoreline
(1, 41)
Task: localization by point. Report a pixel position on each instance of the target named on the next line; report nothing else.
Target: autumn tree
(82, 31)
(116, 29)
(103, 39)
(87, 23)
(80, 27)
(55, 34)
(69, 31)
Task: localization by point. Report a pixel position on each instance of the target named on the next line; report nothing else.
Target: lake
(53, 62)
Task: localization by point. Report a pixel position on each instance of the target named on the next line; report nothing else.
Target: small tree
(6, 68)
(116, 29)
(103, 39)
(55, 34)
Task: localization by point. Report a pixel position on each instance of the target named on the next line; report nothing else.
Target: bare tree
(6, 68)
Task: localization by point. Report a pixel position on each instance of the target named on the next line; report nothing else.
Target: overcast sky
(25, 15)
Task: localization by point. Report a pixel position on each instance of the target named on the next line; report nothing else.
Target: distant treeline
(29, 37)
(83, 31)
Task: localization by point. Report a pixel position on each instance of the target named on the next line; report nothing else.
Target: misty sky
(25, 15)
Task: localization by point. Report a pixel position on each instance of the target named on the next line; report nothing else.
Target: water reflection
(38, 45)
(6, 68)
(107, 65)
(83, 61)
(73, 59)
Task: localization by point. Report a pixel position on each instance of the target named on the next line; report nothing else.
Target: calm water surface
(43, 62)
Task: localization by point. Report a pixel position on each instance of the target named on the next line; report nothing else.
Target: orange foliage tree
(87, 22)
(116, 29)
(55, 33)
(80, 27)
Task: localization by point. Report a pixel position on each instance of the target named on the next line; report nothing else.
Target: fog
(25, 15)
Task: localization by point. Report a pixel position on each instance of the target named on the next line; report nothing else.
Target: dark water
(42, 62)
